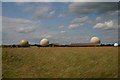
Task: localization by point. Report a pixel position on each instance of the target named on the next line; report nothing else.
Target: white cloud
(107, 25)
(18, 24)
(39, 10)
(77, 22)
(80, 20)
(42, 11)
(73, 26)
(25, 29)
(47, 35)
(62, 32)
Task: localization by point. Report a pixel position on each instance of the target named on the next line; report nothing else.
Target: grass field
(60, 62)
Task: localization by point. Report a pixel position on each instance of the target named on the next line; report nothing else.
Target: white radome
(44, 42)
(95, 40)
(24, 42)
(116, 44)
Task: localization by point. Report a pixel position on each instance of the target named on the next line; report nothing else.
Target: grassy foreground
(60, 62)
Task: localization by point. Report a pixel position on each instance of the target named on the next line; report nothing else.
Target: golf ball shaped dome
(95, 40)
(116, 44)
(24, 43)
(44, 42)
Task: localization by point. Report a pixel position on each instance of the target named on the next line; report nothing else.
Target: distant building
(83, 44)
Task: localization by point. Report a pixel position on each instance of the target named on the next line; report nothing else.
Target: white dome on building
(95, 40)
(24, 42)
(44, 42)
(116, 44)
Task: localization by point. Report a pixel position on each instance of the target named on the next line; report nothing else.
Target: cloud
(42, 11)
(77, 22)
(93, 7)
(47, 35)
(73, 26)
(106, 25)
(25, 29)
(62, 32)
(80, 20)
(19, 25)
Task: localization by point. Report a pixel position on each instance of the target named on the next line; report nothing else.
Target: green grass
(60, 62)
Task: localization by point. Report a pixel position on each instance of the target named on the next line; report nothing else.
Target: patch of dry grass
(60, 62)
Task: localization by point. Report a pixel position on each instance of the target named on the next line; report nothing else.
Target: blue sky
(59, 22)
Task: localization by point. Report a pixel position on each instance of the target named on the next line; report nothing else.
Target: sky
(60, 0)
(59, 22)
